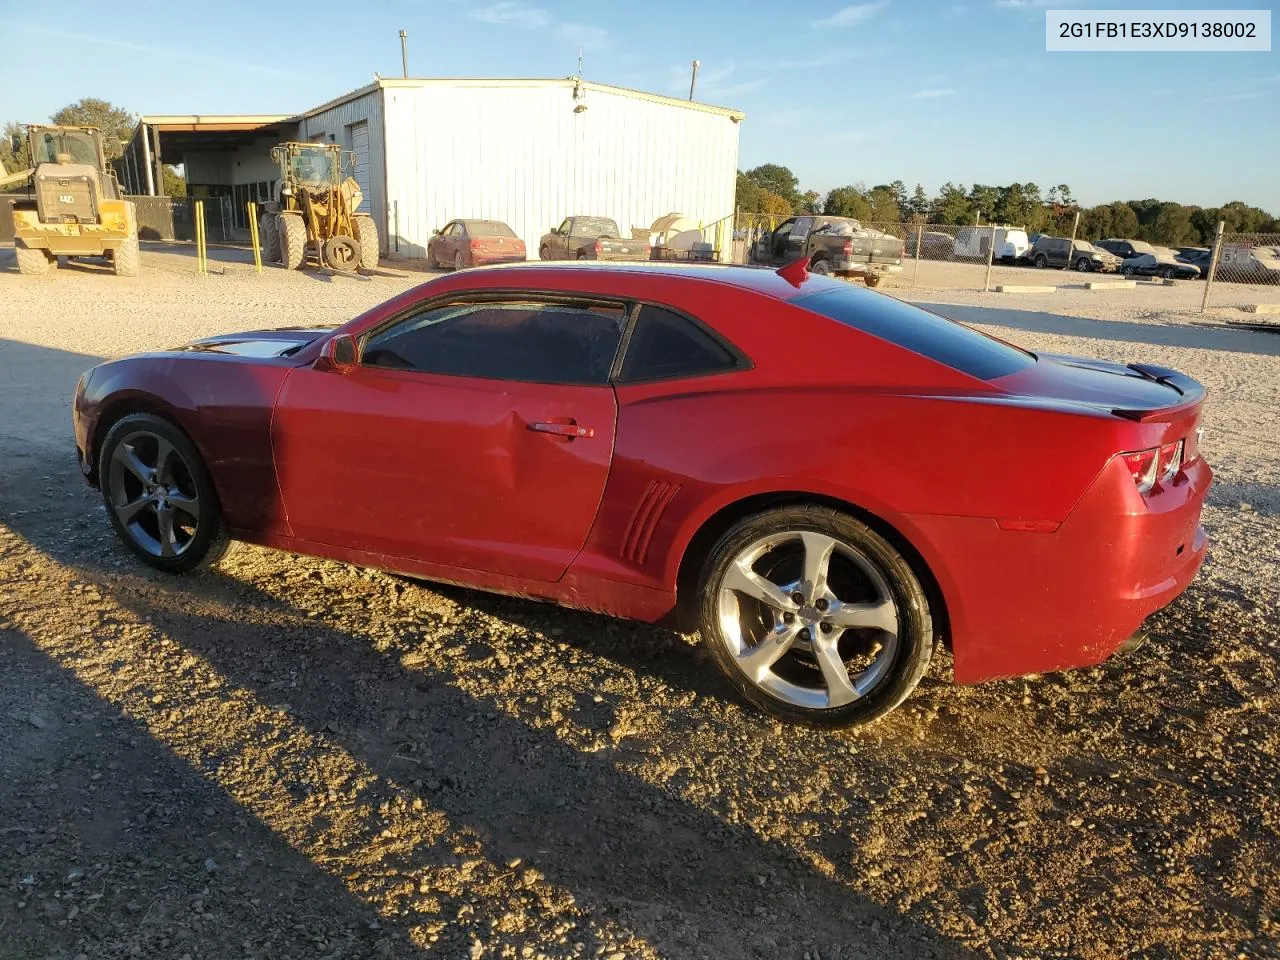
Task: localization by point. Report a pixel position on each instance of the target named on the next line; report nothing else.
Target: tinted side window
(665, 344)
(959, 347)
(515, 340)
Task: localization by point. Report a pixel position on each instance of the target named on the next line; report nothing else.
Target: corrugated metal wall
(521, 154)
(335, 121)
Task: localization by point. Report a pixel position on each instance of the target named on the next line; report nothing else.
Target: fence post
(1071, 250)
(991, 253)
(919, 242)
(1213, 264)
(200, 251)
(253, 236)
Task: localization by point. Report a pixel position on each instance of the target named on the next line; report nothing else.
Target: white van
(971, 243)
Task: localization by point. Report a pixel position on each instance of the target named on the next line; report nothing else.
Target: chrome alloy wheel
(153, 493)
(808, 618)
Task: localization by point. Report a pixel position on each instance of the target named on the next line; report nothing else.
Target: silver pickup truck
(590, 238)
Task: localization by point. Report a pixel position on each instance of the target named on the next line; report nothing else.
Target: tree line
(113, 121)
(774, 189)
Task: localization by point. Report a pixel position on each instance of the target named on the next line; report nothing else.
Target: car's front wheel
(815, 617)
(159, 496)
(1083, 265)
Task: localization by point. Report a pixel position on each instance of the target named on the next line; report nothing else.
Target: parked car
(1061, 252)
(1249, 264)
(840, 246)
(934, 245)
(1011, 244)
(590, 238)
(1124, 249)
(641, 440)
(474, 243)
(1198, 257)
(1160, 264)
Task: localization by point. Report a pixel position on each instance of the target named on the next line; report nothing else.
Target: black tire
(914, 637)
(544, 253)
(32, 261)
(1167, 273)
(209, 539)
(1083, 265)
(582, 254)
(367, 234)
(1041, 261)
(269, 237)
(821, 266)
(1127, 271)
(342, 253)
(293, 241)
(872, 279)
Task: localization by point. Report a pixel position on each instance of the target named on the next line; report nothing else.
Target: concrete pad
(1156, 282)
(1262, 308)
(1111, 285)
(1023, 288)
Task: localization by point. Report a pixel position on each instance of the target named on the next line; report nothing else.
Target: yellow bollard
(201, 265)
(253, 235)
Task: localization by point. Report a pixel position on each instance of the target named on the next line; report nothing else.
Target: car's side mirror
(435, 232)
(338, 354)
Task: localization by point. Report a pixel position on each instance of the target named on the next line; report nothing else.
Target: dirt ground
(292, 758)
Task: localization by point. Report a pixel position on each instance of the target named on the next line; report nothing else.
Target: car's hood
(280, 342)
(1101, 384)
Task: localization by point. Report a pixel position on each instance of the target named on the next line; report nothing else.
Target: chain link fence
(1245, 270)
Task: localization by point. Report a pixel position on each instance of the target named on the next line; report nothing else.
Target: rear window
(959, 347)
(594, 227)
(488, 228)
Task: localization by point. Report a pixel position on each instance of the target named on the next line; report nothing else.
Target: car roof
(565, 275)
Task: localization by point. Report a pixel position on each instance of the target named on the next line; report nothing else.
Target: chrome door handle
(571, 429)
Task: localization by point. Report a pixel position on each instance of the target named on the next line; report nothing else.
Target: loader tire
(293, 241)
(367, 234)
(32, 262)
(269, 237)
(126, 259)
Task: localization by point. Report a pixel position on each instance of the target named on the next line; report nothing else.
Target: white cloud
(849, 16)
(525, 16)
(513, 13)
(933, 93)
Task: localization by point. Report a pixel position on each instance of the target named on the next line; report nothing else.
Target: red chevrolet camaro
(824, 481)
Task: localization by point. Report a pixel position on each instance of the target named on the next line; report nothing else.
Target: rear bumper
(859, 267)
(1032, 602)
(485, 260)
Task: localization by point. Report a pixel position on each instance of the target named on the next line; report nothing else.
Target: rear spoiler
(1191, 391)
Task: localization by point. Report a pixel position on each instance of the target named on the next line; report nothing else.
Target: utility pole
(404, 55)
(693, 79)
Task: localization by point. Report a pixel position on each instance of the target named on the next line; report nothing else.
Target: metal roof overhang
(184, 134)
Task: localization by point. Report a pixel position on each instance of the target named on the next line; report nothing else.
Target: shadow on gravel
(1165, 335)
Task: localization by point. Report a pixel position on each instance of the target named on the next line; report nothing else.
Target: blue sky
(918, 90)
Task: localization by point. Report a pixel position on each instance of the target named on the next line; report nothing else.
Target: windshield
(1086, 246)
(959, 347)
(76, 144)
(1140, 247)
(315, 165)
(594, 227)
(488, 228)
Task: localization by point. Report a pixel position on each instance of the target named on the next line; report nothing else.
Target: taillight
(599, 247)
(475, 244)
(1159, 465)
(1170, 461)
(848, 248)
(1142, 467)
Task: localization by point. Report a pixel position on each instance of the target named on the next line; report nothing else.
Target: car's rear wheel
(159, 495)
(871, 279)
(814, 617)
(1041, 261)
(820, 266)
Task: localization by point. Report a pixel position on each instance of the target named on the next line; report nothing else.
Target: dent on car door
(474, 436)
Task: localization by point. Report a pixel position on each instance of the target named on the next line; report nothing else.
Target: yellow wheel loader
(74, 206)
(314, 211)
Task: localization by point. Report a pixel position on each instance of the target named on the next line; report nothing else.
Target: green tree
(810, 202)
(951, 205)
(113, 121)
(15, 161)
(776, 179)
(847, 201)
(884, 205)
(900, 198)
(918, 205)
(983, 200)
(772, 203)
(175, 185)
(748, 194)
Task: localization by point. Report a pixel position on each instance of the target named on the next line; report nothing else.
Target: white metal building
(529, 152)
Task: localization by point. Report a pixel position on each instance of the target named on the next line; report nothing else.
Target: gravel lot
(293, 758)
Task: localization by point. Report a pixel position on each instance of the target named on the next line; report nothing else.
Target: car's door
(449, 243)
(476, 434)
(780, 238)
(560, 245)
